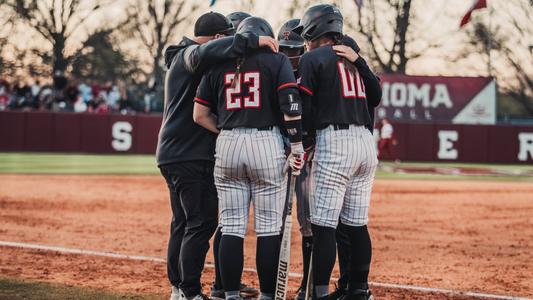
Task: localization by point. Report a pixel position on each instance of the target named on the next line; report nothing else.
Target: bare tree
(155, 23)
(387, 26)
(509, 44)
(56, 21)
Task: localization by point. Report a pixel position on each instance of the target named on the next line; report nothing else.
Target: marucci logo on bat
(281, 286)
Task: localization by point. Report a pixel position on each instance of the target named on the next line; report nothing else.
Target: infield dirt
(458, 235)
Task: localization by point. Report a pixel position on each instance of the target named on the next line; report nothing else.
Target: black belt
(265, 128)
(337, 126)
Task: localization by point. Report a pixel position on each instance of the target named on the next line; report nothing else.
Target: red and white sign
(457, 100)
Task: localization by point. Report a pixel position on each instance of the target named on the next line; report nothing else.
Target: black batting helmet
(291, 43)
(319, 20)
(287, 37)
(255, 25)
(237, 17)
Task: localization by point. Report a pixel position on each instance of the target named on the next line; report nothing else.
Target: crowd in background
(64, 94)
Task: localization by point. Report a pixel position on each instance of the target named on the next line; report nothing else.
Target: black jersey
(265, 89)
(180, 139)
(336, 94)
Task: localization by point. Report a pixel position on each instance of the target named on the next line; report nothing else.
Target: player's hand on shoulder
(266, 41)
(296, 160)
(346, 52)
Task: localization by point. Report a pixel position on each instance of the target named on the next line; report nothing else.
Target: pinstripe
(342, 177)
(249, 169)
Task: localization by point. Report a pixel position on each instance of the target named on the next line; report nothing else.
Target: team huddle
(247, 118)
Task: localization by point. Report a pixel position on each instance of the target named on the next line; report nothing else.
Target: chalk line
(208, 265)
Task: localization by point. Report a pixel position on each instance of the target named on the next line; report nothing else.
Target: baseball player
(185, 151)
(345, 160)
(216, 289)
(373, 97)
(292, 45)
(253, 97)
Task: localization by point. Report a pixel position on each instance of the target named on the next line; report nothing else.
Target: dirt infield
(464, 236)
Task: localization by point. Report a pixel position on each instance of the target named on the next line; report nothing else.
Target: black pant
(194, 203)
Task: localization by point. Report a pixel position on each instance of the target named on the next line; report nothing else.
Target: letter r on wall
(525, 141)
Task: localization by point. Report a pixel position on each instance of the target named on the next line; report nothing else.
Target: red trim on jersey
(286, 85)
(201, 101)
(308, 91)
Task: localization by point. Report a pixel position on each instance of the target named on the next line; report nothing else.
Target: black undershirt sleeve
(371, 82)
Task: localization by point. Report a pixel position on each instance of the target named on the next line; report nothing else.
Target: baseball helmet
(287, 37)
(319, 20)
(237, 17)
(290, 43)
(255, 25)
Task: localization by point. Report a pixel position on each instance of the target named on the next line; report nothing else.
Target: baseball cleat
(248, 292)
(217, 293)
(338, 293)
(176, 294)
(358, 295)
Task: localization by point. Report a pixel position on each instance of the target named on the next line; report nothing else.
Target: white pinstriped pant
(249, 168)
(342, 176)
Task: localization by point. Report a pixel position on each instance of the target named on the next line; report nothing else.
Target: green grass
(46, 163)
(38, 163)
(16, 289)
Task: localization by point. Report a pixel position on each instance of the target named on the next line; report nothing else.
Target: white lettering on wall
(121, 134)
(446, 140)
(525, 141)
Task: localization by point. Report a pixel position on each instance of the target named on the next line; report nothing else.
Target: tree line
(391, 34)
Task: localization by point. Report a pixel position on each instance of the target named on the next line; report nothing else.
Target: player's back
(252, 101)
(338, 94)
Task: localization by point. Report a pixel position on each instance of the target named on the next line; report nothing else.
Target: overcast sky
(438, 20)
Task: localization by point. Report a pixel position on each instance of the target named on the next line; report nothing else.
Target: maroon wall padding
(92, 133)
(456, 145)
(420, 142)
(95, 133)
(67, 132)
(474, 143)
(503, 144)
(12, 131)
(39, 132)
(147, 131)
(130, 119)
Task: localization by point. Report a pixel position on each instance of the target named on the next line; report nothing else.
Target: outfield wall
(90, 133)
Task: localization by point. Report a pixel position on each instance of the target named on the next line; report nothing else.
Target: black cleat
(358, 295)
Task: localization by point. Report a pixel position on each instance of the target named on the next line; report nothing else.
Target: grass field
(42, 163)
(16, 289)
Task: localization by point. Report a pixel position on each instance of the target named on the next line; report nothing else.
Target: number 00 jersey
(337, 95)
(263, 91)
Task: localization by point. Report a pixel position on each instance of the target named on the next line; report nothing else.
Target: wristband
(294, 130)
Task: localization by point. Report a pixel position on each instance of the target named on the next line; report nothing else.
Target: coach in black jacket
(185, 151)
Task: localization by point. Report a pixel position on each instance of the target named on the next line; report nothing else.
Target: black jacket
(180, 139)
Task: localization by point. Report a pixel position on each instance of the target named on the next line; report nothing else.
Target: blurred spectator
(86, 92)
(387, 140)
(35, 89)
(73, 95)
(113, 98)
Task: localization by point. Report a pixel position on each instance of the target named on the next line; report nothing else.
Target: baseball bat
(309, 286)
(285, 250)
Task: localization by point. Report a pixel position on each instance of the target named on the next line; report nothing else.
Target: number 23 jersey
(264, 90)
(335, 94)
